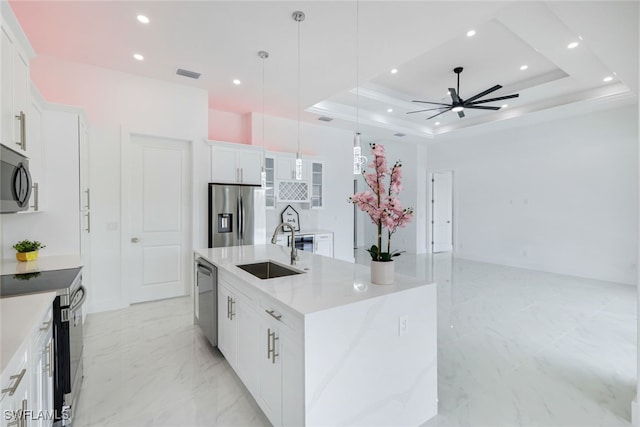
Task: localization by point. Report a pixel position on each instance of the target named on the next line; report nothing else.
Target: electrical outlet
(403, 325)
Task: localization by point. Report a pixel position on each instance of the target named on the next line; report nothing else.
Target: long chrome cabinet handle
(23, 140)
(88, 215)
(273, 353)
(228, 307)
(232, 313)
(35, 196)
(272, 314)
(20, 416)
(52, 358)
(269, 349)
(46, 325)
(12, 389)
(88, 206)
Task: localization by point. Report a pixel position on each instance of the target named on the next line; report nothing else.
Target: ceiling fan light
(457, 109)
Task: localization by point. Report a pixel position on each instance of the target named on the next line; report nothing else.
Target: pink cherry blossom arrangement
(383, 207)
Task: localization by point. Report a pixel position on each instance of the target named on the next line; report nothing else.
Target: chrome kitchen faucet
(294, 251)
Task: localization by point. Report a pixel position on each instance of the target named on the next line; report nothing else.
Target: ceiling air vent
(325, 118)
(399, 134)
(187, 73)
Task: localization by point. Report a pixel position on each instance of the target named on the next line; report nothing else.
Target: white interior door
(442, 211)
(159, 218)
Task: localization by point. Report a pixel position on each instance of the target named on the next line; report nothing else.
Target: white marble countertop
(43, 263)
(325, 283)
(19, 317)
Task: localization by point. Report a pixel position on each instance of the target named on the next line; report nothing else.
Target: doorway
(442, 211)
(156, 207)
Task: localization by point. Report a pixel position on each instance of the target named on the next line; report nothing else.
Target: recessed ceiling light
(236, 82)
(448, 92)
(389, 110)
(471, 33)
(580, 37)
(572, 45)
(143, 19)
(395, 70)
(504, 106)
(138, 56)
(607, 79)
(437, 123)
(523, 67)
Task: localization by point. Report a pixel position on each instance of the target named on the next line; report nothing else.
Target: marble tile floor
(516, 348)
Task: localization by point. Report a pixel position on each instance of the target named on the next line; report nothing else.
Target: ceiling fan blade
(481, 94)
(482, 107)
(434, 103)
(436, 115)
(429, 109)
(500, 98)
(454, 95)
(461, 114)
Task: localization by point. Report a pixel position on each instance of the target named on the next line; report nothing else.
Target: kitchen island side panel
(364, 369)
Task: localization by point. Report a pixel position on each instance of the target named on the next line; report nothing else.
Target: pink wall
(229, 127)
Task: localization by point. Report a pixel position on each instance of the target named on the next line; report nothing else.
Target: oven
(67, 335)
(303, 242)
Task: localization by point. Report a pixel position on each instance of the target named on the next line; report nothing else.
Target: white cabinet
(14, 82)
(281, 394)
(234, 163)
(317, 184)
(270, 171)
(227, 325)
(42, 365)
(36, 153)
(323, 244)
(14, 384)
(262, 343)
(286, 167)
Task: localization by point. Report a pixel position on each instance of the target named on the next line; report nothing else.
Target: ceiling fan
(458, 104)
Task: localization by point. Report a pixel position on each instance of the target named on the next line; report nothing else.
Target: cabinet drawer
(278, 312)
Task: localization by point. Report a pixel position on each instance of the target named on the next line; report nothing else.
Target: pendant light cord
(263, 147)
(298, 153)
(357, 67)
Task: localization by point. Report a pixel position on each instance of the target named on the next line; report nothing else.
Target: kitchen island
(325, 346)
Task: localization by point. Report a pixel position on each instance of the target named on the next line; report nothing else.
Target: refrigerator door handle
(238, 217)
(241, 218)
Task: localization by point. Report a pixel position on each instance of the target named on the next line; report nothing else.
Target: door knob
(135, 240)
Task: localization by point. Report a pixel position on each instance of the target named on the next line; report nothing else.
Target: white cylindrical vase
(382, 272)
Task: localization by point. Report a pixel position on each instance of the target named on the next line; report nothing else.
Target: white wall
(411, 238)
(114, 100)
(335, 147)
(560, 196)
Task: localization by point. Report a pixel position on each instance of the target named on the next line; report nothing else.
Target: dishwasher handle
(204, 270)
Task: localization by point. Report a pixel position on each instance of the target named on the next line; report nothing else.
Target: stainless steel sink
(268, 270)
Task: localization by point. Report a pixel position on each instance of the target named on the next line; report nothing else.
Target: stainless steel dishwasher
(207, 282)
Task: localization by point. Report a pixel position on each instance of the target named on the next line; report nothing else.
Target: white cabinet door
(223, 165)
(7, 118)
(248, 339)
(324, 244)
(241, 165)
(227, 324)
(14, 92)
(286, 167)
(36, 155)
(292, 382)
(42, 366)
(270, 388)
(316, 172)
(249, 164)
(15, 383)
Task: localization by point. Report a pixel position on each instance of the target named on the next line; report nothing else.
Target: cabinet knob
(135, 240)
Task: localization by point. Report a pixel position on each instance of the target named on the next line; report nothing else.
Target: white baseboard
(635, 413)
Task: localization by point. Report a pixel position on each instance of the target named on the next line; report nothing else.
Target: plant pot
(27, 256)
(382, 272)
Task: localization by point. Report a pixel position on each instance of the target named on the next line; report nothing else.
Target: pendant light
(298, 16)
(263, 174)
(357, 149)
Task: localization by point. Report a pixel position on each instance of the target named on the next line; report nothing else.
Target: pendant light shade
(357, 155)
(298, 16)
(263, 173)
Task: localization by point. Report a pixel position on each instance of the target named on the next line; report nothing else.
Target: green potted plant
(27, 250)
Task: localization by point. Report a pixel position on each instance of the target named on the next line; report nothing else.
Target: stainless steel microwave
(15, 181)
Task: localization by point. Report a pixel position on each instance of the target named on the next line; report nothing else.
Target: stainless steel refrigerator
(237, 215)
